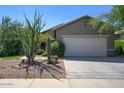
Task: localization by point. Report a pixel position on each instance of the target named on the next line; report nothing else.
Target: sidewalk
(34, 83)
(63, 83)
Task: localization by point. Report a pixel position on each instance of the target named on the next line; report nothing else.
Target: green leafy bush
(10, 44)
(39, 51)
(119, 49)
(57, 49)
(119, 46)
(11, 48)
(44, 53)
(119, 43)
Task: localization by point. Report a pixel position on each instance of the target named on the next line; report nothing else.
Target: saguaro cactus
(49, 50)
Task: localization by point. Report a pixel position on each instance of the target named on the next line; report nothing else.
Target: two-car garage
(85, 45)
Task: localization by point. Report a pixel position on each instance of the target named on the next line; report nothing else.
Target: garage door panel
(85, 53)
(85, 46)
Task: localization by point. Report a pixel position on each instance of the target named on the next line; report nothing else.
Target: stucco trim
(85, 35)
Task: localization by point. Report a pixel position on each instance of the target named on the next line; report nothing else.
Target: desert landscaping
(9, 70)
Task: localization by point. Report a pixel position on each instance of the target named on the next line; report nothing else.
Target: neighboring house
(82, 39)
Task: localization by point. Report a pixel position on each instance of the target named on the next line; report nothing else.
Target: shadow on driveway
(117, 59)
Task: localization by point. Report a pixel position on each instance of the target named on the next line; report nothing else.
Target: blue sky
(54, 15)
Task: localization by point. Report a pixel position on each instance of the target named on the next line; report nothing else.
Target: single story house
(82, 39)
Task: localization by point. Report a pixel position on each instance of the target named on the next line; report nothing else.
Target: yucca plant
(30, 35)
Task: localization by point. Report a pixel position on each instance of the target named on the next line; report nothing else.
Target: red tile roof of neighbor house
(62, 25)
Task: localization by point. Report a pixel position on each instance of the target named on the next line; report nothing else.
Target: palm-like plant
(30, 35)
(115, 17)
(114, 20)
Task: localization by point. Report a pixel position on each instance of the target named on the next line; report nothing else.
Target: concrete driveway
(94, 67)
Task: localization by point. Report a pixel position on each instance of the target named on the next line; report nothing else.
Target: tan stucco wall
(79, 28)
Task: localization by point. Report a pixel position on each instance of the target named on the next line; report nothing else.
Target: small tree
(9, 42)
(30, 35)
(114, 20)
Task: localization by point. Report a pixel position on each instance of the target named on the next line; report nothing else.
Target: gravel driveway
(94, 67)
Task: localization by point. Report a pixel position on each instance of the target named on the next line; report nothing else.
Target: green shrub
(119, 43)
(1, 50)
(44, 53)
(39, 51)
(119, 49)
(57, 49)
(119, 46)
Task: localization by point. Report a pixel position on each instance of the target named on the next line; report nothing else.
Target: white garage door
(85, 46)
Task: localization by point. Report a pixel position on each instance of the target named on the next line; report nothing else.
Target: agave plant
(30, 35)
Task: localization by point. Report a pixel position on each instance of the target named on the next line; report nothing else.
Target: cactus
(49, 50)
